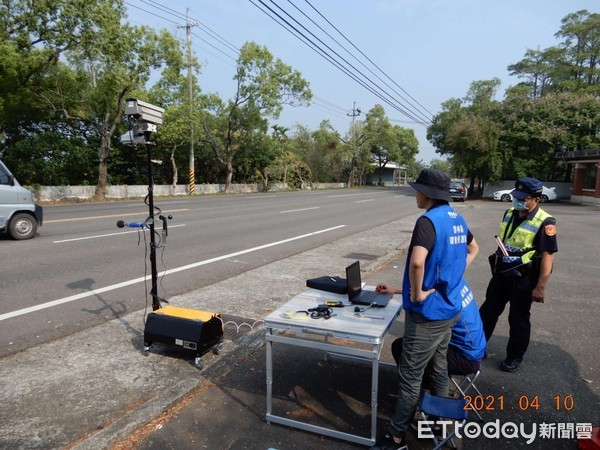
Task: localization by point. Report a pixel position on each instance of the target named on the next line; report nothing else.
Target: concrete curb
(127, 424)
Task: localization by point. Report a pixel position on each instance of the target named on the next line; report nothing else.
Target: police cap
(527, 187)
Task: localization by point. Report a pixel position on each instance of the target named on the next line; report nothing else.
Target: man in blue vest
(521, 268)
(441, 248)
(466, 348)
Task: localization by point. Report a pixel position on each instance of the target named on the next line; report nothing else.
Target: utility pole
(355, 113)
(188, 26)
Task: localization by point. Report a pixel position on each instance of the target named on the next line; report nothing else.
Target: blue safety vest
(444, 267)
(468, 337)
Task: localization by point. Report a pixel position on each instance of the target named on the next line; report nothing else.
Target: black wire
(368, 59)
(213, 34)
(163, 8)
(219, 50)
(149, 12)
(145, 272)
(401, 108)
(324, 54)
(426, 118)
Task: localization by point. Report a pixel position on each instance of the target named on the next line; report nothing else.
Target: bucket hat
(433, 183)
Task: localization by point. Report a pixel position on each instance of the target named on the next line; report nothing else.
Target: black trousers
(517, 292)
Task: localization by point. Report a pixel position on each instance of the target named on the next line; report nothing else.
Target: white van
(19, 215)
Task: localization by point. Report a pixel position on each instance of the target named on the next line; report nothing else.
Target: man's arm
(472, 250)
(539, 292)
(416, 274)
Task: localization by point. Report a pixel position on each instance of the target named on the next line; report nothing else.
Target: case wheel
(217, 348)
(198, 363)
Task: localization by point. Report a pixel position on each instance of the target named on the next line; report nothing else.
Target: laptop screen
(353, 279)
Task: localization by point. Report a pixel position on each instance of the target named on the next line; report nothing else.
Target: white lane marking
(260, 196)
(72, 298)
(74, 219)
(363, 201)
(109, 234)
(298, 210)
(356, 194)
(131, 205)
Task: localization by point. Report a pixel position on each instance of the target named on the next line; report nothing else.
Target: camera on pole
(145, 117)
(191, 330)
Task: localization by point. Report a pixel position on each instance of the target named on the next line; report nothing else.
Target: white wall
(52, 193)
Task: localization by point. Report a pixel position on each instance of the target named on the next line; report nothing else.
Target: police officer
(528, 235)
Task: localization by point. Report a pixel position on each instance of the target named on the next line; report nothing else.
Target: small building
(586, 174)
(393, 174)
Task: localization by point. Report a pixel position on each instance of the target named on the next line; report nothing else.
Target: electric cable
(239, 326)
(150, 12)
(368, 59)
(393, 103)
(217, 49)
(223, 46)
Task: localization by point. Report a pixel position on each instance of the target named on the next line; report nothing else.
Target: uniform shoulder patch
(550, 230)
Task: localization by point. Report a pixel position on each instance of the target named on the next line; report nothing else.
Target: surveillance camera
(133, 137)
(144, 111)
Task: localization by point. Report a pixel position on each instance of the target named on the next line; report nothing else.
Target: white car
(548, 194)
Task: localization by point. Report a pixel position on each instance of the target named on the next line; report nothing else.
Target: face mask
(519, 205)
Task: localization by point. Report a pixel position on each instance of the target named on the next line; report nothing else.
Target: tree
(328, 158)
(536, 129)
(573, 65)
(467, 130)
(581, 31)
(441, 164)
(118, 64)
(264, 85)
(387, 143)
(539, 69)
(182, 116)
(33, 37)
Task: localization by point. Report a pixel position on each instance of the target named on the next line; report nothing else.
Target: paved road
(557, 386)
(93, 388)
(82, 270)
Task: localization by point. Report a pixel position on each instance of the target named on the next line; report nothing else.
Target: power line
(330, 104)
(401, 107)
(150, 12)
(315, 47)
(368, 59)
(217, 49)
(416, 111)
(225, 47)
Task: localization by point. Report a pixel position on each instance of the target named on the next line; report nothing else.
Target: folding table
(344, 335)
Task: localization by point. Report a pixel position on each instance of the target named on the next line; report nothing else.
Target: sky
(420, 52)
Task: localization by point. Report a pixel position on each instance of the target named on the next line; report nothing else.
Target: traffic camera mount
(145, 118)
(191, 330)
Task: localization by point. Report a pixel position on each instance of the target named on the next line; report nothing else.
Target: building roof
(578, 155)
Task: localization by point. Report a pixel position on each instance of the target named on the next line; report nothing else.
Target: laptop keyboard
(368, 296)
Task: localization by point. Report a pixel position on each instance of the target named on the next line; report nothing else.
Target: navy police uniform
(515, 276)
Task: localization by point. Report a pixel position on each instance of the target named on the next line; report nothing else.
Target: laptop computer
(356, 295)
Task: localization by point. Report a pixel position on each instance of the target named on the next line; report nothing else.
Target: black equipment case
(195, 331)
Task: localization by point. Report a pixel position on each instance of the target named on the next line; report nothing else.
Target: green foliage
(443, 165)
(50, 158)
(264, 85)
(66, 68)
(553, 109)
